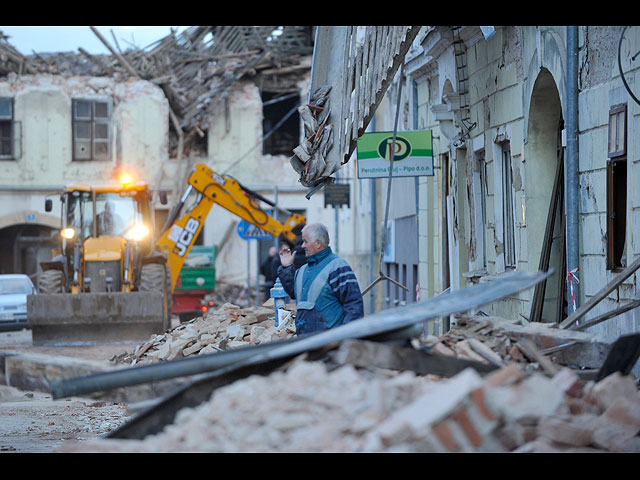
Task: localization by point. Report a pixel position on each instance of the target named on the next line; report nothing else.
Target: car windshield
(14, 285)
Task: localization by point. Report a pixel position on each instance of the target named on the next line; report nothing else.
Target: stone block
(607, 390)
(430, 409)
(176, 347)
(234, 330)
(505, 376)
(625, 411)
(565, 431)
(33, 371)
(207, 339)
(256, 332)
(527, 401)
(196, 347)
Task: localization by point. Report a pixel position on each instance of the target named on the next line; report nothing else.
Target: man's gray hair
(317, 231)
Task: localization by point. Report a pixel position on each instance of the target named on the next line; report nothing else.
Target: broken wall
(516, 85)
(600, 89)
(42, 116)
(235, 149)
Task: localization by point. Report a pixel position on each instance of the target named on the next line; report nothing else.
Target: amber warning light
(125, 179)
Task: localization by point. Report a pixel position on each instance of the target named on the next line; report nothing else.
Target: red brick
(607, 432)
(513, 434)
(466, 425)
(445, 435)
(625, 445)
(565, 432)
(569, 382)
(624, 411)
(516, 355)
(477, 397)
(606, 391)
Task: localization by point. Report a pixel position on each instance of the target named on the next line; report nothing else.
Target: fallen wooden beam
(606, 316)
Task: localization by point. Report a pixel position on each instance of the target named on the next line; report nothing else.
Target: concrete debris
(312, 408)
(499, 341)
(315, 405)
(228, 327)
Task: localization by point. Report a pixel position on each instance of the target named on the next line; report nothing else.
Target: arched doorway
(24, 246)
(545, 213)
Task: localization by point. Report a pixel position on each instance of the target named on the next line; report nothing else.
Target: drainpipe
(374, 214)
(571, 168)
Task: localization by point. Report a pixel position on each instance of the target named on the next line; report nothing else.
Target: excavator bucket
(95, 318)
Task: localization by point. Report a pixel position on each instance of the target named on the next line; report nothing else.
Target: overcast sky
(67, 39)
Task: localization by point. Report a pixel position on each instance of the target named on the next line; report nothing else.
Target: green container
(202, 276)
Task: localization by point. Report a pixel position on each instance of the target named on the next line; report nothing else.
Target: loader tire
(155, 277)
(51, 281)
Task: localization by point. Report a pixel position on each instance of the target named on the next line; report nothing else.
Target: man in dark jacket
(325, 288)
(269, 269)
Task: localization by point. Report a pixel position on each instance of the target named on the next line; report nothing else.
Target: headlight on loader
(68, 233)
(139, 232)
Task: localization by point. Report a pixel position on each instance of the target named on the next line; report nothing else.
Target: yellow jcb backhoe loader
(111, 282)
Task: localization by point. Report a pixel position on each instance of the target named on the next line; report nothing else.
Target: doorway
(24, 246)
(545, 210)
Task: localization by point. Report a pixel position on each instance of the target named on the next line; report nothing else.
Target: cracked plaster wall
(42, 115)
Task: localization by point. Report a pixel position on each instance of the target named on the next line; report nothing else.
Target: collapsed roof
(195, 68)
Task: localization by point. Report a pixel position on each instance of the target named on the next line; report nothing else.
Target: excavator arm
(179, 234)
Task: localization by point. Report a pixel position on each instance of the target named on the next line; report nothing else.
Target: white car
(14, 288)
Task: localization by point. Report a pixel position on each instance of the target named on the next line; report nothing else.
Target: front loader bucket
(94, 318)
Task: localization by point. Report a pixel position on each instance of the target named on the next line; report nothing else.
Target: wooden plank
(607, 316)
(556, 193)
(529, 349)
(608, 288)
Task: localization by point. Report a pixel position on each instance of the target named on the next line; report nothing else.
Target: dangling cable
(383, 245)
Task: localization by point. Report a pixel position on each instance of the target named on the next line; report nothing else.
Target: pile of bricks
(312, 408)
(230, 326)
(500, 341)
(528, 404)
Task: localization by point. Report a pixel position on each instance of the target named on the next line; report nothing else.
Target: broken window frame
(273, 126)
(508, 216)
(616, 186)
(480, 191)
(98, 125)
(7, 125)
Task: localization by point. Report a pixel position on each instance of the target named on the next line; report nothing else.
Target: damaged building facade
(535, 168)
(500, 108)
(59, 131)
(208, 94)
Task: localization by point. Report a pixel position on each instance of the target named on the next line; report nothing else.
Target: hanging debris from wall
(309, 159)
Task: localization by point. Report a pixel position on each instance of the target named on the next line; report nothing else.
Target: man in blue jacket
(325, 288)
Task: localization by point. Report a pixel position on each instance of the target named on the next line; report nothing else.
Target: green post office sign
(413, 154)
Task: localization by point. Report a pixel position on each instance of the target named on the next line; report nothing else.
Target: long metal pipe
(395, 322)
(571, 168)
(373, 227)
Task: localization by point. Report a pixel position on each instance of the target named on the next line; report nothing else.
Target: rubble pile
(528, 403)
(230, 326)
(312, 408)
(498, 341)
(481, 339)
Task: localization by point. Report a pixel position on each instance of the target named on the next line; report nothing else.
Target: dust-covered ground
(32, 422)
